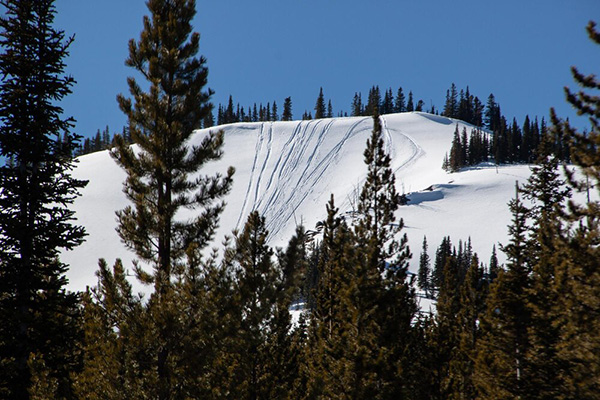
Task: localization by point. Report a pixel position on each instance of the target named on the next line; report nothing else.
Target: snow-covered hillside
(287, 171)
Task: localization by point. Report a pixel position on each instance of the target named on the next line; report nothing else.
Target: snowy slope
(287, 171)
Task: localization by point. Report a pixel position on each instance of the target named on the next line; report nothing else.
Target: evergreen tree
(547, 193)
(451, 104)
(472, 295)
(456, 153)
(420, 105)
(501, 365)
(494, 265)
(409, 105)
(287, 109)
(576, 259)
(158, 183)
(256, 277)
(320, 111)
(492, 113)
(357, 107)
(327, 363)
(442, 253)
(39, 329)
(274, 115)
(386, 256)
(400, 101)
(424, 274)
(387, 107)
(373, 101)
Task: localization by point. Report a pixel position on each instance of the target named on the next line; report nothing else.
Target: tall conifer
(39, 317)
(160, 183)
(577, 267)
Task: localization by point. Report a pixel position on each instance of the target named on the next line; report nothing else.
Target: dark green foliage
(384, 256)
(373, 102)
(400, 105)
(409, 104)
(387, 106)
(576, 257)
(287, 109)
(441, 255)
(256, 310)
(424, 274)
(492, 114)
(176, 98)
(320, 111)
(357, 106)
(39, 329)
(456, 153)
(501, 365)
(159, 184)
(451, 104)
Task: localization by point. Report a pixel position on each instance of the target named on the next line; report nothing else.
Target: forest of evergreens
(217, 324)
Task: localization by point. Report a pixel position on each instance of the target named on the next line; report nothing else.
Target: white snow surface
(287, 171)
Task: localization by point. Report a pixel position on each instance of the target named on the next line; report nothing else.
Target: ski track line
(257, 201)
(314, 152)
(280, 161)
(296, 154)
(417, 150)
(283, 170)
(251, 179)
(314, 177)
(334, 152)
(391, 150)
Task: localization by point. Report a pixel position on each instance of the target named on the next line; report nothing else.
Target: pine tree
(451, 105)
(320, 110)
(501, 368)
(547, 193)
(274, 115)
(256, 277)
(409, 104)
(472, 296)
(383, 255)
(456, 153)
(494, 265)
(442, 253)
(387, 107)
(373, 102)
(400, 101)
(287, 109)
(327, 363)
(39, 329)
(420, 105)
(424, 274)
(492, 114)
(357, 107)
(576, 259)
(159, 183)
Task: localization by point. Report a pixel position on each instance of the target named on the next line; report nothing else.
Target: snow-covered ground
(287, 171)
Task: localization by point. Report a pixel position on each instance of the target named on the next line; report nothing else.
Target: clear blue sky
(260, 51)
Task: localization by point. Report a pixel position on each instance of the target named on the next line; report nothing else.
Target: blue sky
(260, 51)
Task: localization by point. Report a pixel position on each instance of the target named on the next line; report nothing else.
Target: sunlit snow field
(287, 171)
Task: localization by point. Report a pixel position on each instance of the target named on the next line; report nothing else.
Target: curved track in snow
(280, 181)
